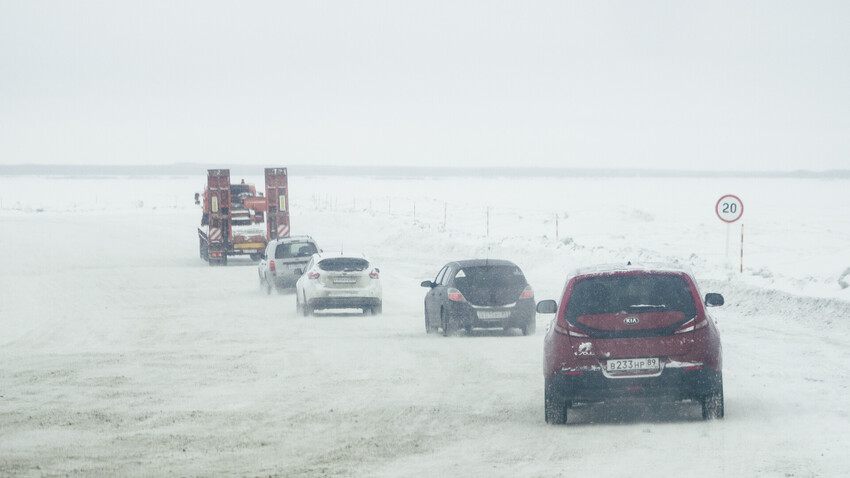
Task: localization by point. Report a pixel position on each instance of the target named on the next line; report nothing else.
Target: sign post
(730, 208)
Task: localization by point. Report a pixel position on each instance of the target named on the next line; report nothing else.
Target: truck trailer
(237, 220)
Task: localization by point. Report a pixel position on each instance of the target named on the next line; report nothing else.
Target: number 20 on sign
(729, 208)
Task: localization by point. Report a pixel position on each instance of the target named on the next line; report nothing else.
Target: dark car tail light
(374, 274)
(527, 293)
(312, 275)
(271, 266)
(455, 295)
(691, 325)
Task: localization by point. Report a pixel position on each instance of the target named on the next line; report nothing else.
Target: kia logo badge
(631, 320)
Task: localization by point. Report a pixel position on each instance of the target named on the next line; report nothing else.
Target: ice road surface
(123, 354)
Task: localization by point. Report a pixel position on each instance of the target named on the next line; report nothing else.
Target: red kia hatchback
(631, 331)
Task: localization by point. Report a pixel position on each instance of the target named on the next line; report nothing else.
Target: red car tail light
(691, 325)
(271, 266)
(570, 330)
(455, 295)
(312, 275)
(527, 293)
(562, 326)
(373, 274)
(575, 332)
(571, 372)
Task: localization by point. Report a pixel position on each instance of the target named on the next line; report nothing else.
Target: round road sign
(729, 208)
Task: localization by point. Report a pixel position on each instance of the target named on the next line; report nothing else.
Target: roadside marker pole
(488, 221)
(445, 213)
(742, 248)
(556, 228)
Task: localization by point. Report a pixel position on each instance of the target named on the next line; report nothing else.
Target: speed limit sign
(729, 208)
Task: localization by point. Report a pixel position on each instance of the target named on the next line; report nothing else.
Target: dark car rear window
(294, 249)
(343, 264)
(631, 294)
(489, 276)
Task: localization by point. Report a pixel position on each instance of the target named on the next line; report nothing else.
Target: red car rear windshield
(633, 293)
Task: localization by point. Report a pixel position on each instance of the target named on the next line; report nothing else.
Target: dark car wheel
(555, 406)
(269, 286)
(712, 404)
(429, 329)
(377, 309)
(449, 326)
(530, 328)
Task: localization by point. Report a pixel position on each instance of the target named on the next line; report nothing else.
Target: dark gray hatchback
(479, 293)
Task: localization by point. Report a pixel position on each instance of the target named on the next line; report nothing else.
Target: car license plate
(345, 280)
(294, 265)
(494, 314)
(649, 364)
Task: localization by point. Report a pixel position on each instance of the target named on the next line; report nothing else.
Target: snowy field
(124, 354)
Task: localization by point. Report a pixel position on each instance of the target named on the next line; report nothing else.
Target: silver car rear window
(294, 249)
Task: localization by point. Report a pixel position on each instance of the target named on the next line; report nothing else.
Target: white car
(283, 260)
(339, 281)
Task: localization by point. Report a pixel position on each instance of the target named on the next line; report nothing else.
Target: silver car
(280, 266)
(339, 281)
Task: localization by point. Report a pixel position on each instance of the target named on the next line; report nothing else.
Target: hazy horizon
(184, 169)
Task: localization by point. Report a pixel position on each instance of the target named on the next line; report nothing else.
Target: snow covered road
(123, 354)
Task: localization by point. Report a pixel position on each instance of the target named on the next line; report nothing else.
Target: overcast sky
(663, 85)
